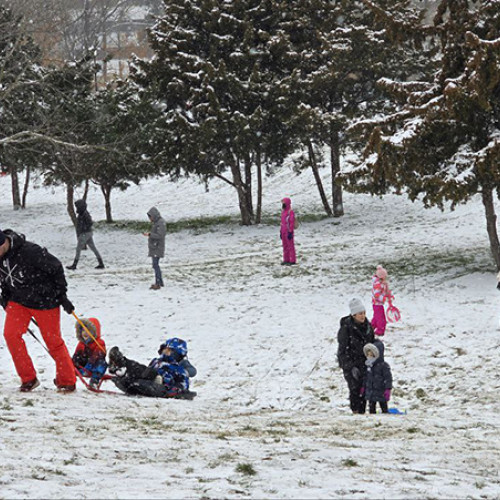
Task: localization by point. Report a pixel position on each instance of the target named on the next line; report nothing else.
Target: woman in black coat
(354, 333)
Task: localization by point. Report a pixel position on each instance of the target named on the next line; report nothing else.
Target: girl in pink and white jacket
(380, 294)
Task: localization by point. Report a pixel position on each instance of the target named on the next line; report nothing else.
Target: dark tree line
(237, 88)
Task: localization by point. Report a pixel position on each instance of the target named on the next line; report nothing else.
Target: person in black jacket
(84, 235)
(33, 286)
(354, 333)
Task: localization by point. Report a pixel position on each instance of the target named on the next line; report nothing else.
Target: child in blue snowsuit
(166, 376)
(377, 382)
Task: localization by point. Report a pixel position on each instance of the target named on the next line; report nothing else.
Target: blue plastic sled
(396, 411)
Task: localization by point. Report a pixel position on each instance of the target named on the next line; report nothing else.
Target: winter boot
(64, 388)
(29, 386)
(100, 265)
(73, 266)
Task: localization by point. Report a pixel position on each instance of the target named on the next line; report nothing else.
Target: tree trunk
(106, 191)
(16, 198)
(491, 225)
(86, 189)
(246, 216)
(26, 186)
(248, 183)
(70, 202)
(258, 217)
(338, 204)
(317, 178)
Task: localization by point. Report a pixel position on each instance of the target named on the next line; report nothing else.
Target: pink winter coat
(380, 291)
(287, 218)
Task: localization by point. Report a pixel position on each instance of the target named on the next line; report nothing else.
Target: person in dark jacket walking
(33, 287)
(156, 244)
(354, 333)
(377, 383)
(84, 235)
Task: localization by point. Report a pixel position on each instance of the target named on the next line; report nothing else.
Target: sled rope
(88, 331)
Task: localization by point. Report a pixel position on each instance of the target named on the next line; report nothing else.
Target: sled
(396, 411)
(393, 314)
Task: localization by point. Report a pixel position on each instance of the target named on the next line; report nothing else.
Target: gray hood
(154, 213)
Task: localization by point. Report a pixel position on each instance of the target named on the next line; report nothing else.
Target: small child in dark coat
(378, 378)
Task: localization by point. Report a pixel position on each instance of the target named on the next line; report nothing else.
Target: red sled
(393, 314)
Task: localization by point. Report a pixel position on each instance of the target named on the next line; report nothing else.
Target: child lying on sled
(166, 376)
(90, 353)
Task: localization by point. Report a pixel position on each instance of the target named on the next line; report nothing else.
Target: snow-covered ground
(271, 399)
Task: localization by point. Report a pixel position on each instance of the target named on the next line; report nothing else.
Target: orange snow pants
(17, 321)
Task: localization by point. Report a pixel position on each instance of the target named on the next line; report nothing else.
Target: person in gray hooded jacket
(156, 244)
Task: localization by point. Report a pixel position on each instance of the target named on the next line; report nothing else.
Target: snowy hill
(271, 419)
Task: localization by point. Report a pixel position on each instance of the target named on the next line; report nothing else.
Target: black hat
(2, 238)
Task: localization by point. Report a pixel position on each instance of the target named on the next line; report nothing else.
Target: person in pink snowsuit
(287, 232)
(380, 294)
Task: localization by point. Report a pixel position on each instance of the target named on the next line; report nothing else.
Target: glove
(355, 372)
(387, 394)
(3, 301)
(290, 235)
(67, 305)
(361, 391)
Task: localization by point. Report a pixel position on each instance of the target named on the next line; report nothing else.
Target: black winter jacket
(352, 337)
(30, 275)
(378, 377)
(83, 219)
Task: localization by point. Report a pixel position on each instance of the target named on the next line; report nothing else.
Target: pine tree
(20, 74)
(221, 77)
(343, 47)
(444, 145)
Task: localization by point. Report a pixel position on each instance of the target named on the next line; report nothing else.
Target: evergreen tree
(221, 76)
(444, 145)
(20, 77)
(118, 134)
(343, 48)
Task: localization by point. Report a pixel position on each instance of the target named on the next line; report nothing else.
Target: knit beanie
(356, 306)
(2, 238)
(381, 272)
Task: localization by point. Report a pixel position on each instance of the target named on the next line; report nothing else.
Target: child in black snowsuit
(377, 383)
(166, 376)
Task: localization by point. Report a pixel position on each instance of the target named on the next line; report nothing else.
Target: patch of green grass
(246, 469)
(200, 223)
(6, 406)
(420, 393)
(302, 218)
(429, 261)
(349, 462)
